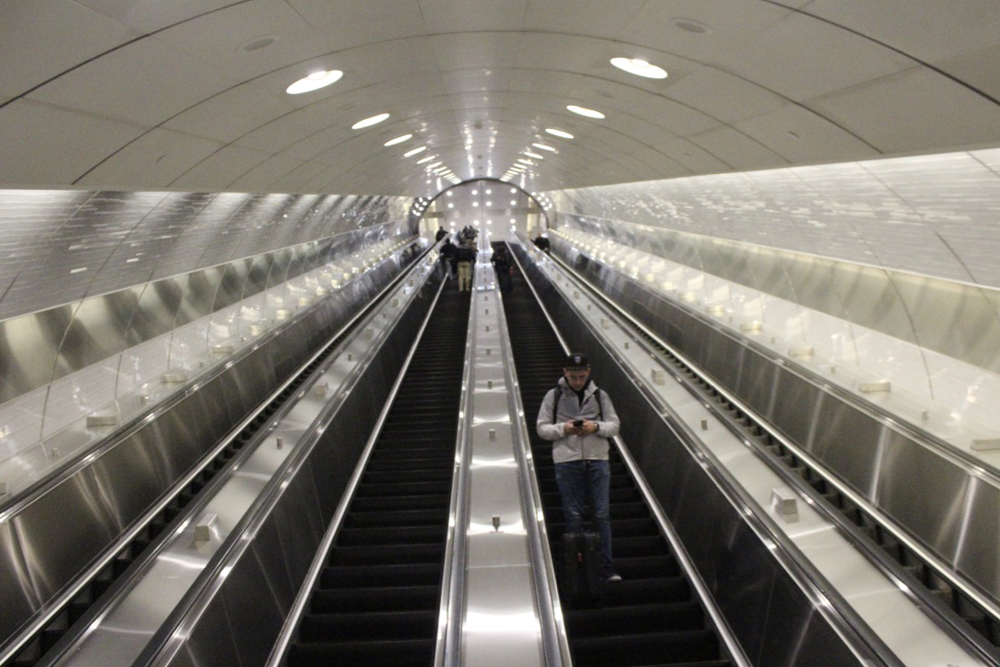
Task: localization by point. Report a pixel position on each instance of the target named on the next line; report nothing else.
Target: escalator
(651, 617)
(378, 597)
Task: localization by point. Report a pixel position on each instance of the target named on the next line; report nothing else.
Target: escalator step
(635, 619)
(391, 535)
(387, 554)
(359, 519)
(368, 599)
(321, 628)
(401, 652)
(358, 576)
(645, 649)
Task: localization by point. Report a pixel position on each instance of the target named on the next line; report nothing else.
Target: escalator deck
(377, 599)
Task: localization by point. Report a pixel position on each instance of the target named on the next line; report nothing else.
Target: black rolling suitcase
(582, 564)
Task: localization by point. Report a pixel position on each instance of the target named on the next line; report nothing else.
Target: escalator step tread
(645, 649)
(391, 625)
(381, 652)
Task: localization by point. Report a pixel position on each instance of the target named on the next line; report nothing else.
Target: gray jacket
(575, 447)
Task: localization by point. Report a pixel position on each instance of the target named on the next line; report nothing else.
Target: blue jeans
(580, 481)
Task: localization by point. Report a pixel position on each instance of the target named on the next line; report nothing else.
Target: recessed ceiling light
(584, 111)
(534, 155)
(259, 43)
(690, 25)
(398, 140)
(314, 81)
(368, 122)
(639, 68)
(558, 133)
(427, 159)
(544, 147)
(421, 149)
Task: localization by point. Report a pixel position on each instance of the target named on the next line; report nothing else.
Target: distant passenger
(441, 233)
(579, 419)
(502, 267)
(542, 243)
(448, 250)
(465, 256)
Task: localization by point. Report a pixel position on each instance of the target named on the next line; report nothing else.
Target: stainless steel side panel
(50, 535)
(947, 503)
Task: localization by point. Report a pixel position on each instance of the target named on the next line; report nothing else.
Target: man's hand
(588, 428)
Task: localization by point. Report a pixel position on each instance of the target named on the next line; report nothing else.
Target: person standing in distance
(579, 419)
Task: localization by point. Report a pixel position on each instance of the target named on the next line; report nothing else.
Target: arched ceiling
(180, 94)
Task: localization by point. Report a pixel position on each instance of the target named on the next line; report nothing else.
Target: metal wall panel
(933, 494)
(314, 491)
(770, 615)
(59, 526)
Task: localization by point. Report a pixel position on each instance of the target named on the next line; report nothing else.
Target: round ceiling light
(584, 111)
(639, 68)
(314, 81)
(398, 140)
(558, 133)
(368, 122)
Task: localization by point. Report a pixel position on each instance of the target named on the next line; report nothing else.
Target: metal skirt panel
(51, 534)
(42, 347)
(934, 495)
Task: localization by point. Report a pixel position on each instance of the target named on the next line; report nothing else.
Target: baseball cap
(576, 360)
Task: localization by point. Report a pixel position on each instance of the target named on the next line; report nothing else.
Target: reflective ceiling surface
(190, 94)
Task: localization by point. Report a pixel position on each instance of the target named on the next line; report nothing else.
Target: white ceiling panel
(980, 70)
(801, 136)
(260, 178)
(216, 71)
(694, 158)
(218, 39)
(152, 15)
(801, 58)
(726, 25)
(907, 112)
(46, 144)
(156, 158)
(724, 96)
(350, 24)
(737, 150)
(464, 16)
(585, 17)
(44, 48)
(230, 115)
(928, 30)
(145, 83)
(219, 170)
(489, 50)
(658, 161)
